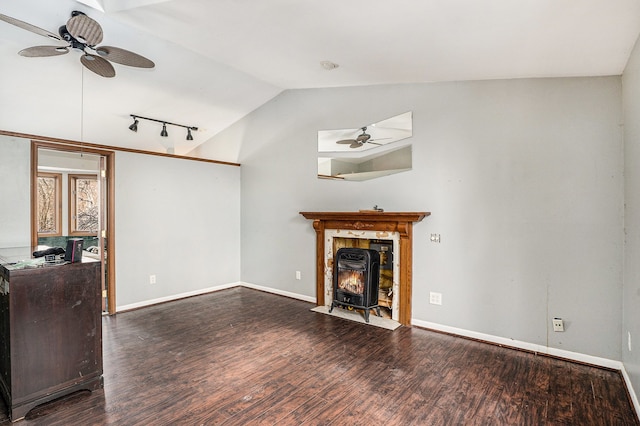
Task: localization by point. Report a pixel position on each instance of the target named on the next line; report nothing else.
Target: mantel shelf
(367, 215)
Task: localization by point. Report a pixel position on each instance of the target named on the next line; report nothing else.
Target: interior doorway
(72, 197)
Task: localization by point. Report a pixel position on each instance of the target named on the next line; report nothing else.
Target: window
(49, 204)
(83, 205)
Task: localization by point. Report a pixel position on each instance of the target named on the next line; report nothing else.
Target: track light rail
(134, 127)
(163, 122)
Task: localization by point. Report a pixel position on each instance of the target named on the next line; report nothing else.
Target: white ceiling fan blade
(29, 27)
(42, 51)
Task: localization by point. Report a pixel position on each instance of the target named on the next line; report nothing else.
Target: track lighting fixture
(134, 126)
(163, 133)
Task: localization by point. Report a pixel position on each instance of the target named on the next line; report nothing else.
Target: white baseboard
(211, 290)
(176, 297)
(279, 292)
(561, 353)
(573, 356)
(632, 392)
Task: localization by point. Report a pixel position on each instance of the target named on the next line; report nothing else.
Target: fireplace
(374, 225)
(356, 280)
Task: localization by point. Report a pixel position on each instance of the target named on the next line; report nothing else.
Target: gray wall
(631, 289)
(523, 179)
(175, 218)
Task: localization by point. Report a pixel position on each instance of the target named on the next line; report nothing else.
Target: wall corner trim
(632, 392)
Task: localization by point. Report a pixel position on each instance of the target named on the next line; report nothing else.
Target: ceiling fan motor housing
(66, 36)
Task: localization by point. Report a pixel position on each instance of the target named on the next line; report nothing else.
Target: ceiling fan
(360, 140)
(83, 34)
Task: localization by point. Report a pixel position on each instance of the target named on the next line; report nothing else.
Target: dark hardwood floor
(244, 357)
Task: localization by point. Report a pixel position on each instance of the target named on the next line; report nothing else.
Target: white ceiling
(217, 60)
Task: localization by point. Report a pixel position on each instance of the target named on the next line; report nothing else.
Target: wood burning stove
(356, 279)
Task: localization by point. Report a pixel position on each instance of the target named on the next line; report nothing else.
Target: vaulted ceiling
(217, 60)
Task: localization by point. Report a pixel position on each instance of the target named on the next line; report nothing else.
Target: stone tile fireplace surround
(395, 226)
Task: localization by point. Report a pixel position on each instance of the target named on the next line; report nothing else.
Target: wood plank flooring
(244, 357)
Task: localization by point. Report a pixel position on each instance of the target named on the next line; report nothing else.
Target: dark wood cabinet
(50, 333)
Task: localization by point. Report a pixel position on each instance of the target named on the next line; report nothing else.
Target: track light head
(134, 126)
(164, 133)
(189, 137)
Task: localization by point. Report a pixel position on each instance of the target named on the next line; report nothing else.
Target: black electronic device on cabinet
(73, 253)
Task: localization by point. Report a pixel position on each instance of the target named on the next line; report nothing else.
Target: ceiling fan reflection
(360, 140)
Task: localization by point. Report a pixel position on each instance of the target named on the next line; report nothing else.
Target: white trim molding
(175, 297)
(311, 299)
(560, 353)
(532, 347)
(632, 392)
(211, 290)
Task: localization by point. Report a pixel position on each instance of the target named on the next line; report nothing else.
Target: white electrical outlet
(558, 324)
(152, 279)
(435, 298)
(629, 340)
(298, 275)
(435, 238)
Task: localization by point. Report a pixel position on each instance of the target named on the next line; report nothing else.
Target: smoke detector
(328, 65)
